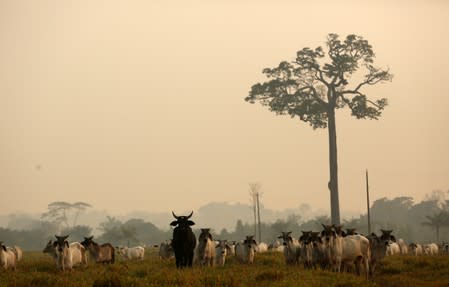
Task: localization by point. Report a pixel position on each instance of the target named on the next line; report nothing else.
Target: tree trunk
(333, 167)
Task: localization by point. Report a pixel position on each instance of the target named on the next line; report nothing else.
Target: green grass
(269, 269)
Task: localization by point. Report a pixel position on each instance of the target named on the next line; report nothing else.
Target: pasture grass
(269, 269)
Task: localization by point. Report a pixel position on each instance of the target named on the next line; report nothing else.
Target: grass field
(269, 269)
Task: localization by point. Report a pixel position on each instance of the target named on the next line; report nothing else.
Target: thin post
(367, 203)
(258, 218)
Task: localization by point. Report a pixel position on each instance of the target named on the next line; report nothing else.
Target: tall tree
(437, 221)
(60, 212)
(316, 84)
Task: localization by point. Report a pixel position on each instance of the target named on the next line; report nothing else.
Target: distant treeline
(424, 222)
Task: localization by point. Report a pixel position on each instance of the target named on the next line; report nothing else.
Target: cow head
(286, 237)
(305, 237)
(205, 235)
(2, 246)
(87, 241)
(49, 247)
(386, 235)
(224, 247)
(328, 232)
(339, 230)
(182, 221)
(350, 231)
(61, 243)
(250, 242)
(315, 238)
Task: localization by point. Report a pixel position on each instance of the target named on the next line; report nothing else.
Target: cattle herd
(332, 248)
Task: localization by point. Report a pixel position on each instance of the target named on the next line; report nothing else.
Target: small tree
(311, 89)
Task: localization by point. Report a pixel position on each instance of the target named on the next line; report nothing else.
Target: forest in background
(425, 221)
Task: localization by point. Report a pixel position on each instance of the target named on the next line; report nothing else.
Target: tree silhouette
(312, 90)
(437, 221)
(60, 211)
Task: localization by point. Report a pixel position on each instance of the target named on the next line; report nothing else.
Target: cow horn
(174, 215)
(190, 215)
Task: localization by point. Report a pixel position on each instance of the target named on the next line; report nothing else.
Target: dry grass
(269, 269)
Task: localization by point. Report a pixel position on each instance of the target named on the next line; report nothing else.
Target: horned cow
(184, 240)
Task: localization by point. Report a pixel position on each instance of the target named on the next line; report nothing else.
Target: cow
(319, 254)
(415, 249)
(184, 240)
(262, 247)
(274, 246)
(128, 253)
(63, 253)
(430, 249)
(244, 251)
(17, 251)
(104, 253)
(222, 249)
(306, 249)
(393, 248)
(291, 248)
(205, 252)
(378, 251)
(444, 248)
(403, 247)
(7, 258)
(352, 249)
(166, 250)
(77, 250)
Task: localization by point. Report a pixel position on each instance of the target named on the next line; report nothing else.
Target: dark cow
(184, 240)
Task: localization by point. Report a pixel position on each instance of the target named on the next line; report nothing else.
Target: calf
(378, 251)
(205, 252)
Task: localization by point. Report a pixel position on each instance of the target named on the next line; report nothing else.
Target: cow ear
(280, 236)
(190, 222)
(174, 223)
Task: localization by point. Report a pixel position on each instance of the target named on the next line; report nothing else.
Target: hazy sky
(139, 105)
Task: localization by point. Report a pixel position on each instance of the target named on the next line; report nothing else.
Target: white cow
(352, 249)
(402, 246)
(430, 249)
(166, 250)
(17, 251)
(292, 248)
(393, 248)
(244, 251)
(77, 254)
(222, 249)
(262, 247)
(416, 249)
(7, 258)
(128, 253)
(205, 251)
(63, 253)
